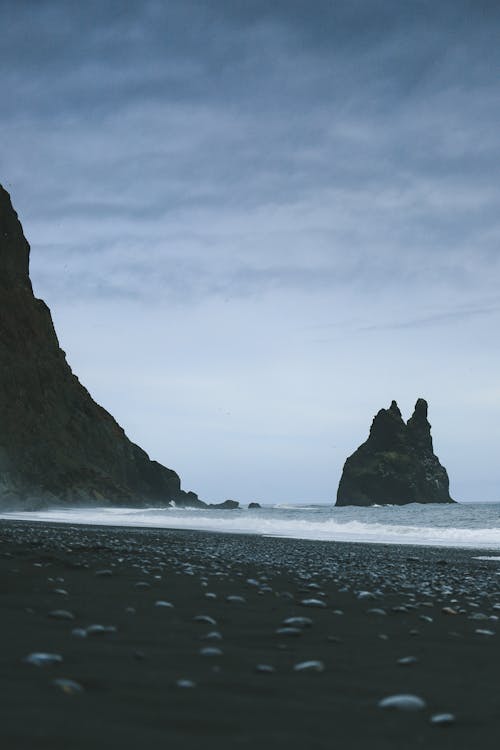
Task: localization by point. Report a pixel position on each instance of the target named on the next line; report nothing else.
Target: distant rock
(226, 505)
(57, 446)
(396, 465)
(254, 506)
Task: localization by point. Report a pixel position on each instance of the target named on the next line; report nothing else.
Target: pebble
(265, 668)
(79, 632)
(211, 651)
(41, 659)
(210, 595)
(442, 720)
(104, 573)
(235, 599)
(61, 614)
(185, 683)
(289, 632)
(482, 631)
(100, 629)
(407, 661)
(69, 687)
(205, 619)
(403, 702)
(309, 666)
(376, 611)
(298, 622)
(449, 611)
(142, 585)
(313, 603)
(162, 603)
(213, 635)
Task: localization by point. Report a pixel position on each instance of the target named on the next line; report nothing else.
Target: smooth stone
(290, 632)
(210, 595)
(185, 684)
(442, 720)
(79, 632)
(235, 599)
(313, 603)
(403, 702)
(211, 651)
(482, 631)
(61, 614)
(69, 687)
(100, 629)
(60, 592)
(265, 668)
(104, 573)
(376, 611)
(142, 585)
(309, 666)
(407, 661)
(41, 659)
(213, 635)
(162, 603)
(205, 619)
(298, 622)
(449, 611)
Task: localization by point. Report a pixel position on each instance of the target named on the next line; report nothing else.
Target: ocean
(471, 525)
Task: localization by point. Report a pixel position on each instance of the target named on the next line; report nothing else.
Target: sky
(257, 222)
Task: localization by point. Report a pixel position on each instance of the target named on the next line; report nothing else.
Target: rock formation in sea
(57, 446)
(396, 465)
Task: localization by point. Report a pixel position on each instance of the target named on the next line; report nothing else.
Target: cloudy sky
(256, 222)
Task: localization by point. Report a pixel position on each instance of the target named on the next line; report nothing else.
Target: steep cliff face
(56, 444)
(396, 465)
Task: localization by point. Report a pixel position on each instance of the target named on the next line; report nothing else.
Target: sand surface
(130, 696)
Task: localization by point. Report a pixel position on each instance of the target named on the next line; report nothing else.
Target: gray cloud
(287, 166)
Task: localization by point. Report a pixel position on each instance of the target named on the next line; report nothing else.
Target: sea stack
(57, 446)
(396, 465)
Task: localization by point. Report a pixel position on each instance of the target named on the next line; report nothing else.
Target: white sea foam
(453, 526)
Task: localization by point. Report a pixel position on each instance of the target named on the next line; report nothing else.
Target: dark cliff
(56, 444)
(396, 465)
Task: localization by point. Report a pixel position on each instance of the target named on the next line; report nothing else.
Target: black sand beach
(437, 605)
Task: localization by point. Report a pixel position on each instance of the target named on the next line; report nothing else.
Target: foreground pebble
(69, 687)
(309, 666)
(402, 702)
(41, 659)
(442, 720)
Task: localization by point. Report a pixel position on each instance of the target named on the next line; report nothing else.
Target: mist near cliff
(258, 223)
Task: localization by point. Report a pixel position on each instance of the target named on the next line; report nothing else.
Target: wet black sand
(130, 697)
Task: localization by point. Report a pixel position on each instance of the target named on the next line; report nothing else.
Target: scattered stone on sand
(376, 611)
(79, 633)
(104, 573)
(213, 635)
(211, 651)
(68, 687)
(210, 595)
(443, 720)
(164, 604)
(289, 632)
(235, 599)
(407, 661)
(483, 631)
(60, 592)
(449, 611)
(309, 666)
(42, 659)
(298, 622)
(61, 614)
(204, 619)
(100, 629)
(142, 585)
(313, 603)
(183, 683)
(265, 668)
(402, 702)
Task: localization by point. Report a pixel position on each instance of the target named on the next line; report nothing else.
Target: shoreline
(378, 604)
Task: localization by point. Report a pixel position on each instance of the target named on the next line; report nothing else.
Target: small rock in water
(403, 702)
(162, 603)
(235, 599)
(313, 603)
(205, 619)
(211, 651)
(309, 666)
(449, 611)
(264, 668)
(41, 659)
(376, 611)
(79, 632)
(442, 720)
(210, 595)
(69, 687)
(142, 585)
(185, 683)
(60, 592)
(104, 573)
(482, 631)
(61, 614)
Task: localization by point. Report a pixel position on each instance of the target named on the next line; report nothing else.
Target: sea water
(473, 525)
